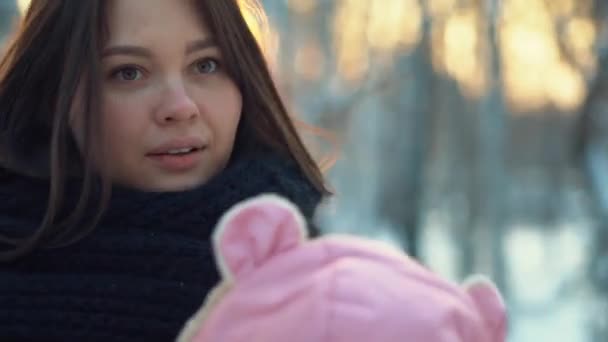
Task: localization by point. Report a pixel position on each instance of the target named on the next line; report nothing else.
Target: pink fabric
(334, 288)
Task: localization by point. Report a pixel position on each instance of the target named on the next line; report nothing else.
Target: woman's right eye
(128, 73)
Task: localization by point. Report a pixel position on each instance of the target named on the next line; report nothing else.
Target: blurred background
(471, 133)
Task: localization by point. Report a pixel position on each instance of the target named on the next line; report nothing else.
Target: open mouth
(178, 159)
(178, 151)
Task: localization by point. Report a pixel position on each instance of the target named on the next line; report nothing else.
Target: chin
(177, 185)
(168, 184)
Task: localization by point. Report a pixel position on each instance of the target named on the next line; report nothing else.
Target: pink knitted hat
(278, 286)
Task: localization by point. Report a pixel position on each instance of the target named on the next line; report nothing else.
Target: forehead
(130, 20)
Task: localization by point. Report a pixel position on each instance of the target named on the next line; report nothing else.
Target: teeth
(181, 150)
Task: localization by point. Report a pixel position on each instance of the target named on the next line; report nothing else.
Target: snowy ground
(550, 299)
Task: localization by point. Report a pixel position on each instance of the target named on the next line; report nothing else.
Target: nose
(177, 106)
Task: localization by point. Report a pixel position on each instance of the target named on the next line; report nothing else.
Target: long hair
(54, 55)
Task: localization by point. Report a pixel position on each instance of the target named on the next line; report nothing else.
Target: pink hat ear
(254, 231)
(490, 305)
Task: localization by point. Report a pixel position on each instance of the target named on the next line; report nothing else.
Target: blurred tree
(593, 155)
(8, 11)
(452, 116)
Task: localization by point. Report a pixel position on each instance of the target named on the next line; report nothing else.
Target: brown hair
(56, 48)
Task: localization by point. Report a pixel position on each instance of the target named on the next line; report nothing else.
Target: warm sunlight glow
(461, 52)
(350, 39)
(535, 70)
(531, 46)
(267, 37)
(256, 21)
(524, 89)
(529, 54)
(562, 7)
(363, 29)
(565, 87)
(440, 8)
(394, 23)
(302, 6)
(580, 36)
(23, 5)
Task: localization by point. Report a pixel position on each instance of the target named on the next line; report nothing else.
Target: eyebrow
(139, 51)
(201, 44)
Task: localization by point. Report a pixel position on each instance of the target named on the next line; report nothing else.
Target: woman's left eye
(207, 66)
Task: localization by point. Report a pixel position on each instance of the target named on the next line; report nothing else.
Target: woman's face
(169, 110)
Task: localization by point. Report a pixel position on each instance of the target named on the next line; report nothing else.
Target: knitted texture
(145, 269)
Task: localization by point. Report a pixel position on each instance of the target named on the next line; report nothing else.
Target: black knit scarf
(143, 271)
(193, 212)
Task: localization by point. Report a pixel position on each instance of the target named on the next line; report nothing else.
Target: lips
(176, 151)
(178, 156)
(178, 147)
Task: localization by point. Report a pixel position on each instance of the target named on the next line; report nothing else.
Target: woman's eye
(207, 66)
(127, 74)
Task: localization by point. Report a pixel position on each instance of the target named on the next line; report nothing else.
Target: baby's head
(280, 286)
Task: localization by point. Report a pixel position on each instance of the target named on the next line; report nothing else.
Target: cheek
(122, 123)
(231, 115)
(223, 113)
